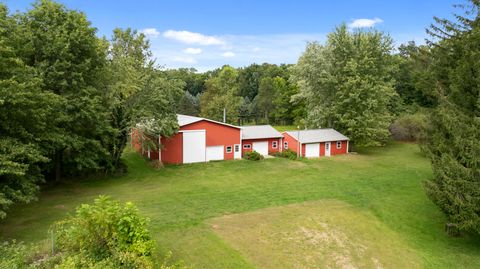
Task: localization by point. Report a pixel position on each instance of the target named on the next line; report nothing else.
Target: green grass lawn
(380, 188)
(283, 128)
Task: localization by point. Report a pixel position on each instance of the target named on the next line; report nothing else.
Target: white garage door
(261, 147)
(194, 146)
(312, 150)
(214, 153)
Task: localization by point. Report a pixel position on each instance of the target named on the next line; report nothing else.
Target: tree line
(68, 98)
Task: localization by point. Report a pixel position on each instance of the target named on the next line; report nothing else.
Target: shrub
(408, 127)
(104, 235)
(288, 153)
(252, 156)
(108, 233)
(13, 255)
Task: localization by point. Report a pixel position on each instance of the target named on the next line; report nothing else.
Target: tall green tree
(412, 61)
(62, 47)
(266, 95)
(189, 104)
(222, 93)
(137, 93)
(287, 110)
(194, 81)
(453, 133)
(27, 114)
(347, 84)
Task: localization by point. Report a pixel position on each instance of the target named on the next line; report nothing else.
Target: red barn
(198, 140)
(316, 143)
(264, 139)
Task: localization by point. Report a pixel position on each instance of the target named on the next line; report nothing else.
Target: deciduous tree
(347, 84)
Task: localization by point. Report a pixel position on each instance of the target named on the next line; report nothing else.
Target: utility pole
(299, 146)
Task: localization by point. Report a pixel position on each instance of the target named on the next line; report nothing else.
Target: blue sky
(209, 34)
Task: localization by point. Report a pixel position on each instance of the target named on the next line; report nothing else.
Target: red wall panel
(335, 151)
(217, 134)
(292, 142)
(172, 149)
(271, 150)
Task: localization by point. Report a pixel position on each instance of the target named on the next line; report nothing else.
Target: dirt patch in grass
(322, 234)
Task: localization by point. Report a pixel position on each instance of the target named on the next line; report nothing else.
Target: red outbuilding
(263, 139)
(198, 140)
(316, 143)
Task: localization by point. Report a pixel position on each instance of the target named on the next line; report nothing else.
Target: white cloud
(192, 51)
(150, 32)
(193, 38)
(256, 49)
(228, 54)
(363, 23)
(183, 59)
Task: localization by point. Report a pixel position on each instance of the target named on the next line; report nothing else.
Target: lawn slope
(181, 201)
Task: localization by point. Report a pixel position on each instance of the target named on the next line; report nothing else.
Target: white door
(214, 153)
(327, 148)
(194, 146)
(312, 150)
(261, 147)
(237, 153)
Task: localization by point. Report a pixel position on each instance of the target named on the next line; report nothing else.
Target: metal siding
(312, 150)
(217, 135)
(215, 153)
(194, 146)
(271, 150)
(261, 147)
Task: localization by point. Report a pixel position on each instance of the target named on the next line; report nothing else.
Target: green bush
(408, 127)
(252, 156)
(13, 255)
(288, 153)
(106, 232)
(104, 235)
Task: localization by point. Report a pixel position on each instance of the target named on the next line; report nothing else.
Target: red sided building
(198, 140)
(316, 143)
(263, 139)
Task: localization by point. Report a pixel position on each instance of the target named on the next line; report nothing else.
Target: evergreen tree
(266, 96)
(453, 134)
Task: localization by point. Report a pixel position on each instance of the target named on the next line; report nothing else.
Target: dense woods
(68, 99)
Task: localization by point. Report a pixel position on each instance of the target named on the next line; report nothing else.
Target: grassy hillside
(382, 188)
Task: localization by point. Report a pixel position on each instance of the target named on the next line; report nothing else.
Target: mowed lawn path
(382, 188)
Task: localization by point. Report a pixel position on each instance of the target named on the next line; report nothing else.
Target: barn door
(194, 146)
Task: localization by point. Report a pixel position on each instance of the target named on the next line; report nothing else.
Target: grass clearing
(283, 128)
(318, 234)
(180, 201)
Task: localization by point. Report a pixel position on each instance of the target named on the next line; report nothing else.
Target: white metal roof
(259, 131)
(317, 135)
(185, 120)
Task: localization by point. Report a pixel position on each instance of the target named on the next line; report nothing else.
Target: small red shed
(198, 140)
(264, 139)
(316, 143)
